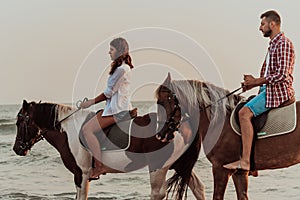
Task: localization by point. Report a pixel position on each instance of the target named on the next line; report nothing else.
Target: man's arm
(251, 82)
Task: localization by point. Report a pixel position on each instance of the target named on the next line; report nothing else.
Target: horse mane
(63, 109)
(48, 115)
(62, 112)
(69, 112)
(45, 115)
(194, 95)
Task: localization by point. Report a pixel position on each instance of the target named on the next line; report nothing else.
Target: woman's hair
(122, 55)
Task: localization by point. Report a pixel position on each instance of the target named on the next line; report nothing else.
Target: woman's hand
(86, 104)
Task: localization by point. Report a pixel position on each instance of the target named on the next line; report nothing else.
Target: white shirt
(117, 91)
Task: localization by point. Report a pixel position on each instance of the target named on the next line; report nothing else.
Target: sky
(57, 51)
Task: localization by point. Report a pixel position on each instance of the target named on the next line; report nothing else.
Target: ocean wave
(7, 128)
(24, 196)
(7, 125)
(7, 121)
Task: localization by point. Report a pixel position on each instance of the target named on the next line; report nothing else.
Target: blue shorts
(258, 104)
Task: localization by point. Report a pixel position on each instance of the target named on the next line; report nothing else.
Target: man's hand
(249, 82)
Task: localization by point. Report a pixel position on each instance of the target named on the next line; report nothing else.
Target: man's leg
(245, 116)
(254, 107)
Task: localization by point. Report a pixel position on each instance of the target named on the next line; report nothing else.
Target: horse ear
(25, 104)
(167, 81)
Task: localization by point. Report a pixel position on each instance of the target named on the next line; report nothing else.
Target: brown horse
(46, 120)
(221, 144)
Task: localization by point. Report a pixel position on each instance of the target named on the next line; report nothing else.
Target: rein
(226, 96)
(78, 105)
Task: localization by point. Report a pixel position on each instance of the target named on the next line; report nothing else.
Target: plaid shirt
(280, 71)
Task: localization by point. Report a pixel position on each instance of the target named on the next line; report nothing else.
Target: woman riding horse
(117, 99)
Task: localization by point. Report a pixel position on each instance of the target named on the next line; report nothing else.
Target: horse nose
(18, 150)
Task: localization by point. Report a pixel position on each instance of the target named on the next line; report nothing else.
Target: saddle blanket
(118, 137)
(115, 137)
(279, 121)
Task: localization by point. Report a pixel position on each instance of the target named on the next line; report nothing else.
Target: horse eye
(20, 115)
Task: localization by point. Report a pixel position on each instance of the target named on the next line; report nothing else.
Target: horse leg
(82, 193)
(240, 180)
(84, 160)
(197, 187)
(158, 184)
(221, 176)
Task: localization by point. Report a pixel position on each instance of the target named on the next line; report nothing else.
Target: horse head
(31, 119)
(168, 111)
(27, 130)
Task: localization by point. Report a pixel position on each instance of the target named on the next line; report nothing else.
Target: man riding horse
(275, 82)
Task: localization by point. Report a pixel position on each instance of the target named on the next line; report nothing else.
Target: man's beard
(268, 33)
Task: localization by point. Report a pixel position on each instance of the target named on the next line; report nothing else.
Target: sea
(41, 175)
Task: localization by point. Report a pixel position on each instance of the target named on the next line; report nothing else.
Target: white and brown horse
(45, 120)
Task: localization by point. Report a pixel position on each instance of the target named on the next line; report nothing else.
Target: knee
(245, 114)
(86, 130)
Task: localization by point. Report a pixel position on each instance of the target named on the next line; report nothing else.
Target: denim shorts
(122, 116)
(258, 104)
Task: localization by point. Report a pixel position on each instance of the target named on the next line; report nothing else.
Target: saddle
(114, 137)
(258, 122)
(274, 122)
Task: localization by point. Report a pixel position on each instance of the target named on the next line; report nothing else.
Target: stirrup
(94, 178)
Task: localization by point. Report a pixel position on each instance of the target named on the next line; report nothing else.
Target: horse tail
(178, 183)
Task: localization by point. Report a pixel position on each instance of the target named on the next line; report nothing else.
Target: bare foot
(97, 171)
(240, 164)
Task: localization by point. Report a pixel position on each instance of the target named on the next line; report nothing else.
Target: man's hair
(271, 15)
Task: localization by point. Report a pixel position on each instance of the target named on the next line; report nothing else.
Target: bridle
(29, 123)
(38, 137)
(171, 123)
(174, 125)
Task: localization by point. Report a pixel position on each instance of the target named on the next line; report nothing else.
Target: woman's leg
(94, 125)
